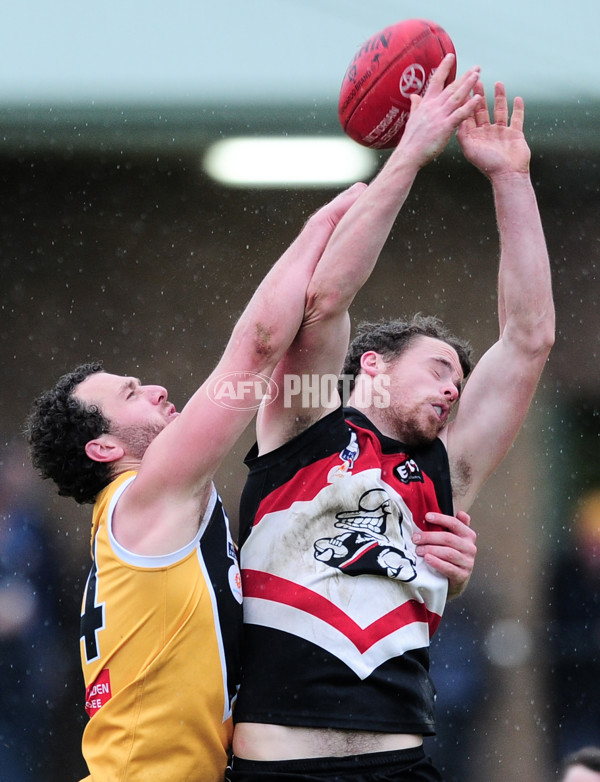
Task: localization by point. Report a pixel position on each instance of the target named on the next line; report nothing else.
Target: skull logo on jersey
(365, 547)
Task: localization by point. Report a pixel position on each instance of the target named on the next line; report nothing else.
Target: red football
(389, 67)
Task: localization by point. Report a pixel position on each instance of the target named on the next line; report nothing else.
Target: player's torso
(329, 560)
(160, 646)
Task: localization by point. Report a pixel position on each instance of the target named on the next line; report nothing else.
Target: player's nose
(157, 394)
(451, 392)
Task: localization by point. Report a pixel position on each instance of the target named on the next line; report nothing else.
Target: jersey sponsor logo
(233, 574)
(348, 456)
(98, 693)
(408, 471)
(235, 582)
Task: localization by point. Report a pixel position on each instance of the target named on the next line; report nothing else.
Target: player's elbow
(544, 334)
(550, 337)
(325, 302)
(538, 336)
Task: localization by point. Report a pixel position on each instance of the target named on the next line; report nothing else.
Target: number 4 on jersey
(92, 617)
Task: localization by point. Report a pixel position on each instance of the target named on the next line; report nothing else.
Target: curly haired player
(161, 619)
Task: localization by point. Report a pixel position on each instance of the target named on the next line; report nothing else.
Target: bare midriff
(262, 741)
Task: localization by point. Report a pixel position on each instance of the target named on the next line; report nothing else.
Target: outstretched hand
(498, 147)
(450, 550)
(436, 115)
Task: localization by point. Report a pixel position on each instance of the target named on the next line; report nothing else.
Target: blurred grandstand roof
(148, 72)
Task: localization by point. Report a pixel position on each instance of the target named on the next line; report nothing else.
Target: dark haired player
(161, 617)
(349, 543)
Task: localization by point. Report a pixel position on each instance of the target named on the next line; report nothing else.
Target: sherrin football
(387, 69)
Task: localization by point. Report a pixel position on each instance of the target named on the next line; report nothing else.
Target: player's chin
(431, 430)
(422, 437)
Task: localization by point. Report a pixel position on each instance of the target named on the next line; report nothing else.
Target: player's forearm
(275, 312)
(355, 246)
(524, 281)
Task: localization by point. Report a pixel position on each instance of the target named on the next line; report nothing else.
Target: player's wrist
(404, 164)
(517, 177)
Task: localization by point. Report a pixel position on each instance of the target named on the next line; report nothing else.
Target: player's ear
(104, 449)
(371, 362)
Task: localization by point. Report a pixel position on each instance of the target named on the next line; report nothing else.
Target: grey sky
(78, 51)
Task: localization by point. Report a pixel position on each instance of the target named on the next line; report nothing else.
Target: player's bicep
(306, 381)
(492, 408)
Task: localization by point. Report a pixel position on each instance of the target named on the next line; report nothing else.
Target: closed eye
(442, 369)
(130, 387)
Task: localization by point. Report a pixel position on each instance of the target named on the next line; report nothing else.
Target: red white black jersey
(338, 608)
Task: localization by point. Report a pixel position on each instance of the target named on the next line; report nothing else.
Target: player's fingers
(415, 100)
(456, 568)
(500, 105)
(466, 126)
(466, 112)
(437, 81)
(443, 554)
(344, 200)
(463, 546)
(482, 114)
(459, 90)
(461, 523)
(518, 114)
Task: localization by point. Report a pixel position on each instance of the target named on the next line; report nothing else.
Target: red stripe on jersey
(279, 590)
(420, 496)
(360, 553)
(309, 480)
(307, 483)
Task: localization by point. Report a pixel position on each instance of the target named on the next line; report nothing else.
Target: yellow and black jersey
(160, 645)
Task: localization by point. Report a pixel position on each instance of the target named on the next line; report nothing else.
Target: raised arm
(497, 396)
(165, 504)
(350, 256)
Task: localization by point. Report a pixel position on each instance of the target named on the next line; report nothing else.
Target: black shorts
(405, 765)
